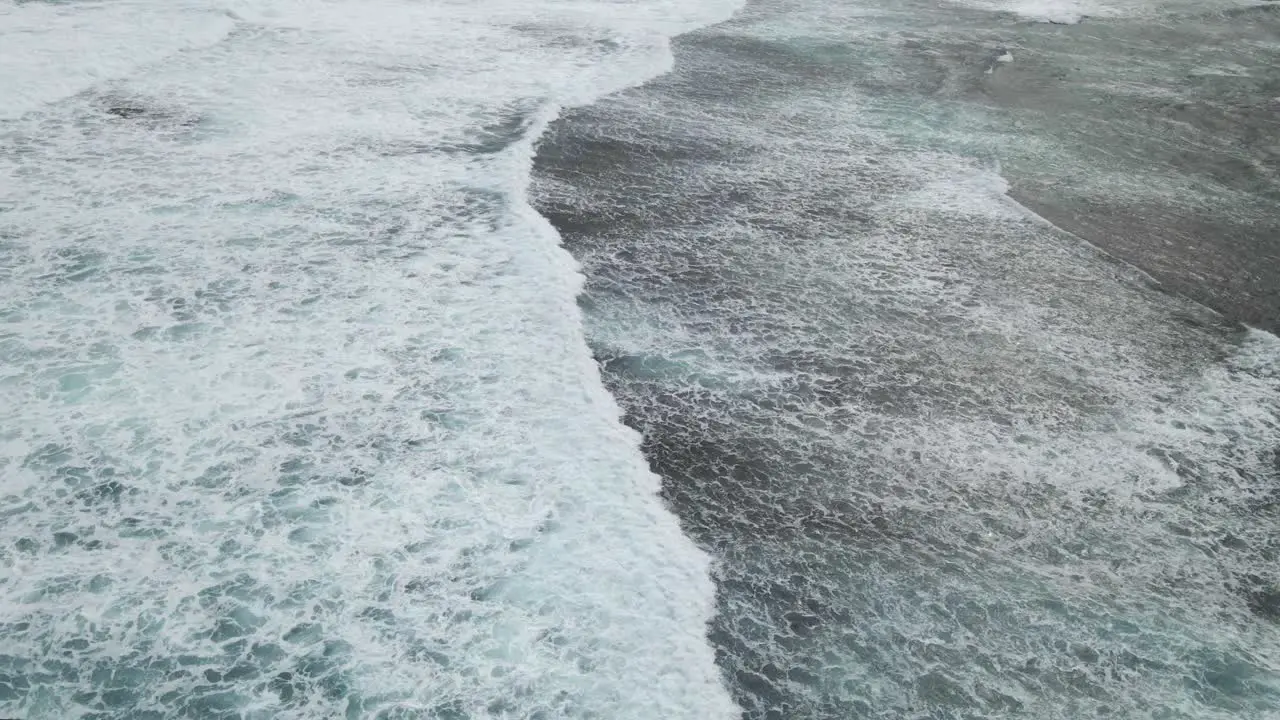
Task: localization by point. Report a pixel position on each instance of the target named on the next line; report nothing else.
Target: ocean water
(955, 458)
(639, 359)
(297, 418)
(1070, 12)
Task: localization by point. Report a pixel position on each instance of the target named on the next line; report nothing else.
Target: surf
(300, 419)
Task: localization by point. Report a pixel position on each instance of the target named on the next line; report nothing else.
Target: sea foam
(299, 417)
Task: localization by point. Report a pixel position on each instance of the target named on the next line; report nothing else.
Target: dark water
(953, 461)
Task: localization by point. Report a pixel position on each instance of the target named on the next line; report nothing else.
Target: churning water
(298, 419)
(299, 415)
(954, 462)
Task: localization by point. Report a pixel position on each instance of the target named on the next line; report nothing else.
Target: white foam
(296, 380)
(1066, 12)
(1070, 12)
(49, 51)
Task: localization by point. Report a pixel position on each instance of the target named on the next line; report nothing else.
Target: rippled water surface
(952, 460)
(943, 331)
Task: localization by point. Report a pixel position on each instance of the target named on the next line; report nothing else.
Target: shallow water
(951, 460)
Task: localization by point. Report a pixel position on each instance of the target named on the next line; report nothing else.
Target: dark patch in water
(497, 135)
(126, 111)
(1262, 596)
